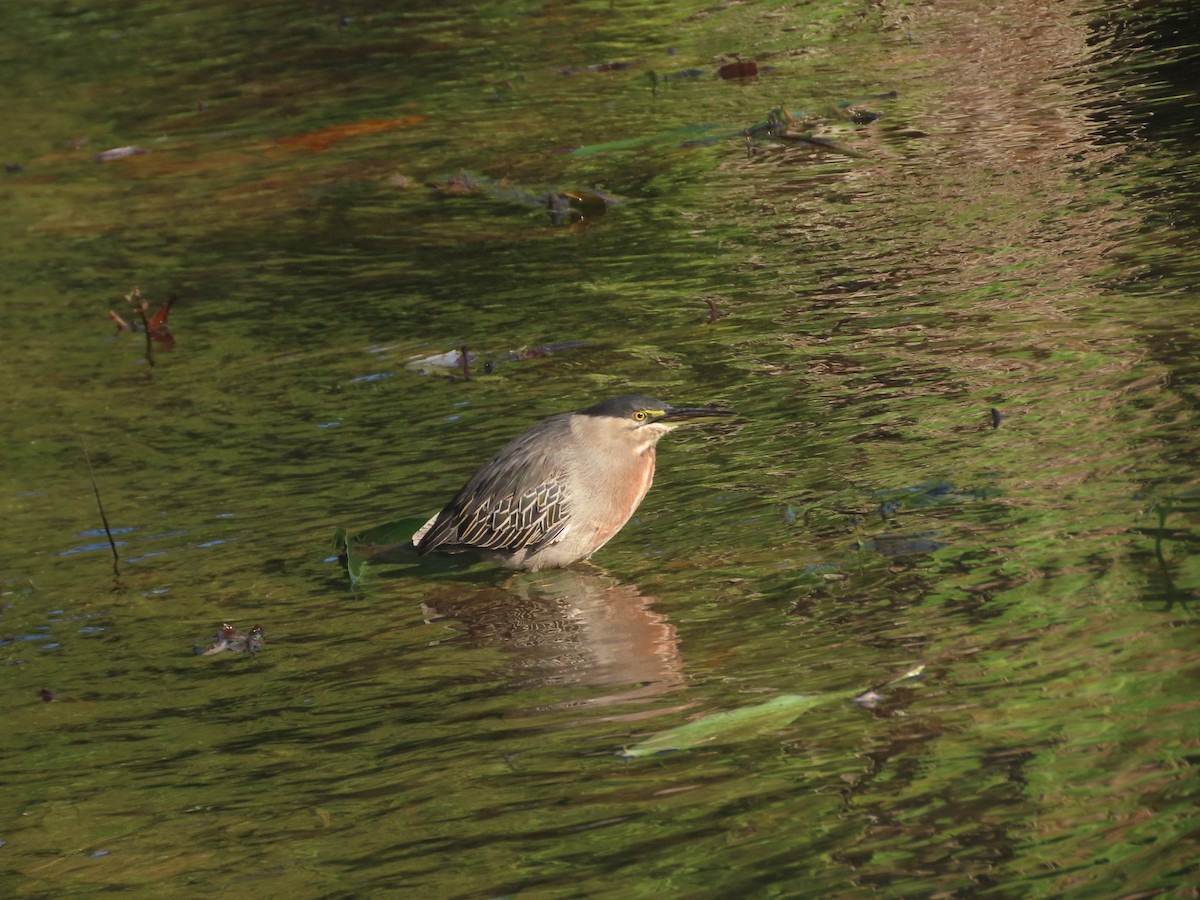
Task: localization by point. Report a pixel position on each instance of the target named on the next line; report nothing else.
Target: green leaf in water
(387, 538)
(752, 721)
(731, 725)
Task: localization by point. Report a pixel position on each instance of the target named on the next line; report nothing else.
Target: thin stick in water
(100, 505)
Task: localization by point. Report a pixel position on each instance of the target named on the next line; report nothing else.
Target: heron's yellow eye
(640, 416)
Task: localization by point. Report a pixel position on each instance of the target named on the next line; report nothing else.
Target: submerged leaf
(891, 546)
(390, 534)
(356, 550)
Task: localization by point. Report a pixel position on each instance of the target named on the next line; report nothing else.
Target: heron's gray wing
(517, 501)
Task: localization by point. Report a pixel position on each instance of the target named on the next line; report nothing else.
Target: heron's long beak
(679, 414)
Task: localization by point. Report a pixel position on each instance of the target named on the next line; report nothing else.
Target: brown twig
(103, 518)
(138, 302)
(813, 141)
(465, 362)
(713, 312)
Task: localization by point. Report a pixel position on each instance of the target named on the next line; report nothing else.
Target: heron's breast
(630, 484)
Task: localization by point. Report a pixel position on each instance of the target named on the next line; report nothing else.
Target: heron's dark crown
(624, 407)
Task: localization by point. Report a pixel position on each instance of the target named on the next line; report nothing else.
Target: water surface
(965, 355)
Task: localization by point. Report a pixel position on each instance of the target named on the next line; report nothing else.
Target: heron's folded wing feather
(517, 501)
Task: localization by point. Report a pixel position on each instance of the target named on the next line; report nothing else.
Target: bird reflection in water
(576, 627)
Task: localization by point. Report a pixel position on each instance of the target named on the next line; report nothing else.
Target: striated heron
(557, 493)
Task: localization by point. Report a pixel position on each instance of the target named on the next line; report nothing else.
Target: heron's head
(641, 418)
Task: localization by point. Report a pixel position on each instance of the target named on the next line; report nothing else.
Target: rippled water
(965, 355)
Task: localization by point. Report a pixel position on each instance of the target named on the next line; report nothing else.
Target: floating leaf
(752, 721)
(731, 725)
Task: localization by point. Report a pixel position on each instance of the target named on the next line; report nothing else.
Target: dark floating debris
(571, 206)
(784, 125)
(564, 206)
(613, 66)
(458, 362)
(610, 66)
(891, 546)
(742, 68)
(461, 185)
(229, 639)
(857, 112)
(781, 125)
(665, 79)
